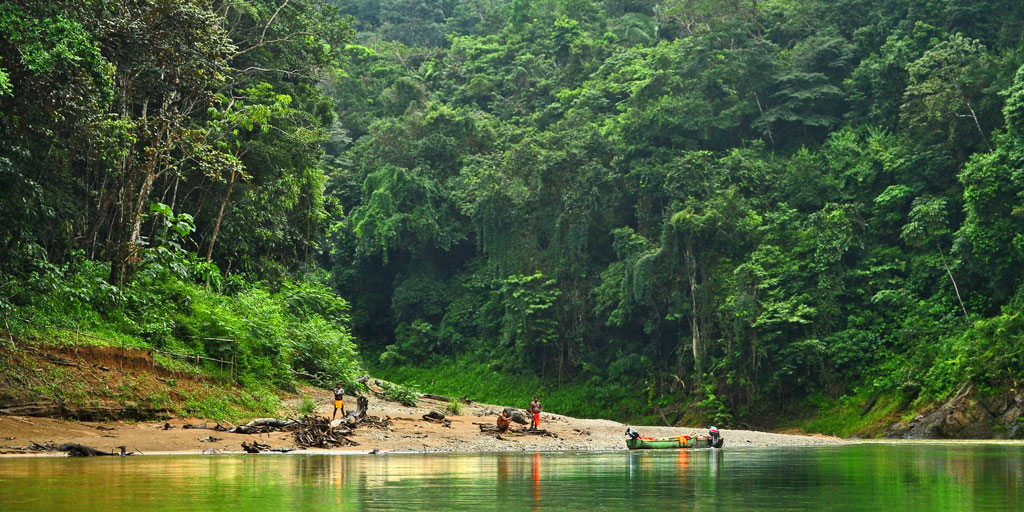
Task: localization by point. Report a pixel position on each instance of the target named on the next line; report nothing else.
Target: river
(869, 477)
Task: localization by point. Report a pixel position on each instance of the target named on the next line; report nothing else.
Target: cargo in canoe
(673, 443)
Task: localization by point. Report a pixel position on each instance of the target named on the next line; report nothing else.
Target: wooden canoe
(671, 443)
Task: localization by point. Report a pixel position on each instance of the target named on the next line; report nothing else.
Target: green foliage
(598, 397)
(454, 407)
(405, 395)
(755, 204)
(752, 204)
(307, 406)
(268, 334)
(846, 418)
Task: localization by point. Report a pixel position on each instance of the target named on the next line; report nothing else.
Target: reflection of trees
(916, 476)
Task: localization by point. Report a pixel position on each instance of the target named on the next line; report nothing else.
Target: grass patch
(454, 407)
(843, 417)
(481, 383)
(307, 406)
(219, 405)
(406, 395)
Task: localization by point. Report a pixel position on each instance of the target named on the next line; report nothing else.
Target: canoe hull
(668, 443)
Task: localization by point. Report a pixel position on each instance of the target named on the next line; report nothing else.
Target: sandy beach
(407, 432)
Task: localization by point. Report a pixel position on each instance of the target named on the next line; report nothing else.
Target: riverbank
(407, 432)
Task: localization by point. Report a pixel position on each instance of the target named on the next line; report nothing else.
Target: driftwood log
(254, 447)
(442, 398)
(262, 426)
(204, 426)
(258, 447)
(78, 450)
(488, 428)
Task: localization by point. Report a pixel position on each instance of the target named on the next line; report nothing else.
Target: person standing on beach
(535, 409)
(339, 403)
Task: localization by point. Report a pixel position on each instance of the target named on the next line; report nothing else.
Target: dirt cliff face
(969, 414)
(92, 383)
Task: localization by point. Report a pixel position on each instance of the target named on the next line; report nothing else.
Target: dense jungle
(774, 214)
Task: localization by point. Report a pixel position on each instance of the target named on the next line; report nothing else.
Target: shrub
(307, 406)
(455, 407)
(406, 395)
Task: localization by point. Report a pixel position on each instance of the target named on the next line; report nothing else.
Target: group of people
(505, 418)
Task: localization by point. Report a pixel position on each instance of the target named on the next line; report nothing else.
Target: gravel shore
(407, 432)
(410, 433)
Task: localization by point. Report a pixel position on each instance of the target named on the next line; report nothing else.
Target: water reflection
(536, 481)
(859, 477)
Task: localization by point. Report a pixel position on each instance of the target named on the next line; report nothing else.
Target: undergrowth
(478, 382)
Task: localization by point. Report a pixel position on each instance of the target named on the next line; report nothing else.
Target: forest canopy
(737, 206)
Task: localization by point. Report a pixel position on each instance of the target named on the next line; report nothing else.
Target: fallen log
(204, 426)
(258, 447)
(261, 426)
(78, 450)
(488, 428)
(254, 447)
(440, 398)
(270, 422)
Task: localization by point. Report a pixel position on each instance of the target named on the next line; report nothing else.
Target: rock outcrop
(969, 414)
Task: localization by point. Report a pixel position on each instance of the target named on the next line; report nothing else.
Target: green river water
(871, 476)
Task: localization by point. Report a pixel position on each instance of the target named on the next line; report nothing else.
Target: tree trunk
(220, 216)
(698, 359)
(955, 287)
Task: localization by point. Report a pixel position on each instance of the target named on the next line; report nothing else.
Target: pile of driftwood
(309, 432)
(317, 432)
(376, 422)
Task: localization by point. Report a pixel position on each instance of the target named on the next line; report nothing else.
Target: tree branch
(267, 70)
